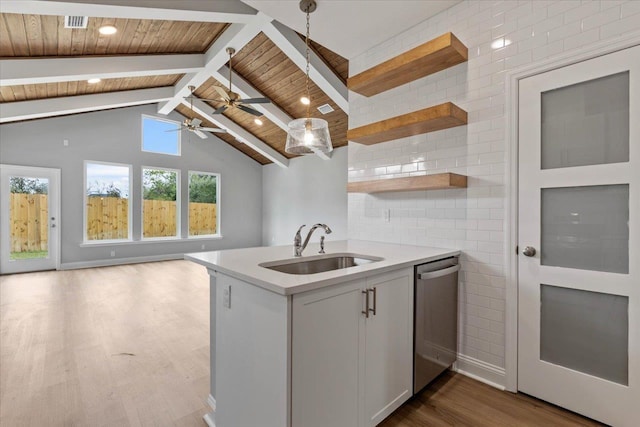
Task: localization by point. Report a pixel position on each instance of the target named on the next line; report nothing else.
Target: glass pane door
(29, 223)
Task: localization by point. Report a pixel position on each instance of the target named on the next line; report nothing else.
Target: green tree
(159, 185)
(23, 185)
(202, 188)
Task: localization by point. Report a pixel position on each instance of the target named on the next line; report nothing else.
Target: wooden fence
(29, 222)
(159, 219)
(107, 218)
(202, 219)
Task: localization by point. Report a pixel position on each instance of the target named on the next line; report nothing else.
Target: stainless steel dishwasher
(435, 337)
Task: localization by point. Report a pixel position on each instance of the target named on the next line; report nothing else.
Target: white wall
(309, 191)
(472, 219)
(114, 136)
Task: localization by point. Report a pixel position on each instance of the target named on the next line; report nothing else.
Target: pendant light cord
(307, 81)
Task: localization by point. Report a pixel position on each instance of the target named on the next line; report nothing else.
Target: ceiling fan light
(93, 80)
(107, 30)
(305, 100)
(308, 136)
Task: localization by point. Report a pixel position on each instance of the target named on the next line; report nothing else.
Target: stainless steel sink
(319, 264)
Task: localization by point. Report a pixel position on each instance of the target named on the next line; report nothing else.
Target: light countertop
(243, 263)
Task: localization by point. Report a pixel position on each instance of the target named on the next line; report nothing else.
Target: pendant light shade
(308, 135)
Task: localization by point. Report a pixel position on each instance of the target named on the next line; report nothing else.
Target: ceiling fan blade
(249, 110)
(174, 130)
(195, 122)
(220, 110)
(214, 130)
(256, 101)
(223, 93)
(200, 134)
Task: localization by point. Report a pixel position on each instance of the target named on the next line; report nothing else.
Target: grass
(28, 255)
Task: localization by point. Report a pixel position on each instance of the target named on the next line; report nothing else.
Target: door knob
(529, 251)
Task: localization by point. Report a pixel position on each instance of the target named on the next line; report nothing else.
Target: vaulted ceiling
(164, 47)
(156, 54)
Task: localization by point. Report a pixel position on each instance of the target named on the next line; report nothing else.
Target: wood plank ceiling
(260, 62)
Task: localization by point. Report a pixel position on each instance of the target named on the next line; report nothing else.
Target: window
(203, 204)
(160, 203)
(160, 136)
(107, 208)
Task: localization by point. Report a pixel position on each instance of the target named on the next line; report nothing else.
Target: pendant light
(308, 135)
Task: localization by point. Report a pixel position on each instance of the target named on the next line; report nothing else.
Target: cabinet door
(327, 356)
(389, 345)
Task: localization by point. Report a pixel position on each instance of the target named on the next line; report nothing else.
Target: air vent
(325, 109)
(76, 21)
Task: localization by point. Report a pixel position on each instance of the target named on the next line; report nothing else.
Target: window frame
(218, 233)
(178, 235)
(160, 119)
(85, 240)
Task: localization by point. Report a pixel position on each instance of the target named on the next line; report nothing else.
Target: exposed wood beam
(52, 70)
(39, 108)
(236, 36)
(294, 47)
(230, 11)
(238, 132)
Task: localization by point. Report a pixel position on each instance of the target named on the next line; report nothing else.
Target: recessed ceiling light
(305, 100)
(94, 81)
(107, 30)
(257, 121)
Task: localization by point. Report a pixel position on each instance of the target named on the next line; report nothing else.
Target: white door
(579, 210)
(29, 213)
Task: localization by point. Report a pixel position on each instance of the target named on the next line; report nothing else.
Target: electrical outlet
(226, 297)
(65, 142)
(387, 215)
(113, 253)
(202, 247)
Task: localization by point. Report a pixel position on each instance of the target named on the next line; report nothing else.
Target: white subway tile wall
(471, 219)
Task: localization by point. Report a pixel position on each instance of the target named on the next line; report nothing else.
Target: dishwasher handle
(439, 273)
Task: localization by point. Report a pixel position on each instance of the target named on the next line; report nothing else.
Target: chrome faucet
(298, 246)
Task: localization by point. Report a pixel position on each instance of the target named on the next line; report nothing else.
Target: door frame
(512, 80)
(57, 206)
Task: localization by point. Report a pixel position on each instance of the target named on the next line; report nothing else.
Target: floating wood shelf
(440, 181)
(430, 119)
(428, 58)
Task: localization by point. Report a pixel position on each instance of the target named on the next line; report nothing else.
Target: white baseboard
(118, 261)
(480, 371)
(210, 417)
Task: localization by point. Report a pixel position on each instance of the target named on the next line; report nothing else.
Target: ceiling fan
(193, 125)
(231, 99)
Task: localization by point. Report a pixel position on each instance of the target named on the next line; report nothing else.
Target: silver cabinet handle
(529, 251)
(375, 300)
(439, 273)
(366, 304)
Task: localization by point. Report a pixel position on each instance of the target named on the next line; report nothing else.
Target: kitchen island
(330, 348)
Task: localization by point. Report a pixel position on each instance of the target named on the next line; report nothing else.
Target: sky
(157, 139)
(105, 174)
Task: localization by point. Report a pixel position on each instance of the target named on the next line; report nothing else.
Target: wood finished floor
(65, 340)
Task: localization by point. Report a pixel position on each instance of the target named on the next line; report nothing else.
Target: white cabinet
(352, 362)
(388, 380)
